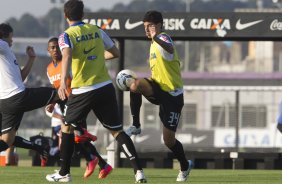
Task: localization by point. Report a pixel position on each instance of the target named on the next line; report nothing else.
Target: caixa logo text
(108, 24)
(210, 24)
(276, 25)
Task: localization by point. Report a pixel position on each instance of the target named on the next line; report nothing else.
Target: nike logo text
(88, 51)
(241, 26)
(130, 26)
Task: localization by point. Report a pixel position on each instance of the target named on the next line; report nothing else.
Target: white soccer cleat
(183, 175)
(140, 177)
(132, 130)
(56, 177)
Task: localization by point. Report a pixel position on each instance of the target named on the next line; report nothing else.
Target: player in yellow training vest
(86, 47)
(163, 88)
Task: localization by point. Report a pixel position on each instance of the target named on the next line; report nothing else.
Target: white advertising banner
(251, 138)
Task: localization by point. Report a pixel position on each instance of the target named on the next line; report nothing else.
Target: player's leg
(138, 88)
(9, 156)
(9, 126)
(106, 110)
(91, 160)
(135, 105)
(67, 148)
(105, 168)
(43, 150)
(170, 111)
(76, 110)
(83, 139)
(34, 98)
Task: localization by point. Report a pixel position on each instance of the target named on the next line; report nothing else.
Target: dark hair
(53, 39)
(74, 10)
(153, 16)
(5, 30)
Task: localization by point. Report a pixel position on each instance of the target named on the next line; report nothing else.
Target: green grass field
(36, 175)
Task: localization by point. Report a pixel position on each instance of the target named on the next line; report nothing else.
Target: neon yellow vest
(166, 73)
(88, 62)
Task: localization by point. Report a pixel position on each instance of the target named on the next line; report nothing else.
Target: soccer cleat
(44, 154)
(140, 177)
(183, 175)
(132, 130)
(86, 136)
(56, 177)
(105, 171)
(90, 167)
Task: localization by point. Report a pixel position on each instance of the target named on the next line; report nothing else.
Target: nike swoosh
(241, 26)
(88, 51)
(130, 26)
(199, 139)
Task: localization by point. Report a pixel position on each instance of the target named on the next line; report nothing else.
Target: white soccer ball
(125, 78)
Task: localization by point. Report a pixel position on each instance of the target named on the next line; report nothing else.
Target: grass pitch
(36, 175)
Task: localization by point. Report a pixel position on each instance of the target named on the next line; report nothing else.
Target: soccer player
(15, 98)
(164, 88)
(83, 47)
(83, 140)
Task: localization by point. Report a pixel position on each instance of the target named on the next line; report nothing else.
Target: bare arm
(66, 61)
(31, 57)
(111, 53)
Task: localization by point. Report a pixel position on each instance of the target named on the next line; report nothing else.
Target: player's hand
(152, 29)
(50, 108)
(62, 91)
(30, 53)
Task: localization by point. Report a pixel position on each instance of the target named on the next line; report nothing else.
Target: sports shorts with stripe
(101, 101)
(13, 108)
(169, 106)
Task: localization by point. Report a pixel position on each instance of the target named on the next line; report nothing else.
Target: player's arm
(111, 51)
(50, 111)
(66, 61)
(66, 49)
(167, 46)
(31, 57)
(163, 40)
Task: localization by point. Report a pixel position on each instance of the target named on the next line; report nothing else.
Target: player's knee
(68, 129)
(134, 86)
(169, 142)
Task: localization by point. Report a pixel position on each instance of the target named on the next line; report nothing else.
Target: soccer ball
(124, 79)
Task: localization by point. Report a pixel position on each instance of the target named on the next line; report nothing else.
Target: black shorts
(13, 108)
(103, 103)
(170, 106)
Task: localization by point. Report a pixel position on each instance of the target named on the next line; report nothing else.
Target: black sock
(178, 152)
(128, 148)
(23, 143)
(135, 105)
(102, 163)
(3, 146)
(86, 152)
(67, 147)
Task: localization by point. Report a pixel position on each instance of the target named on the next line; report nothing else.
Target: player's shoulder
(4, 45)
